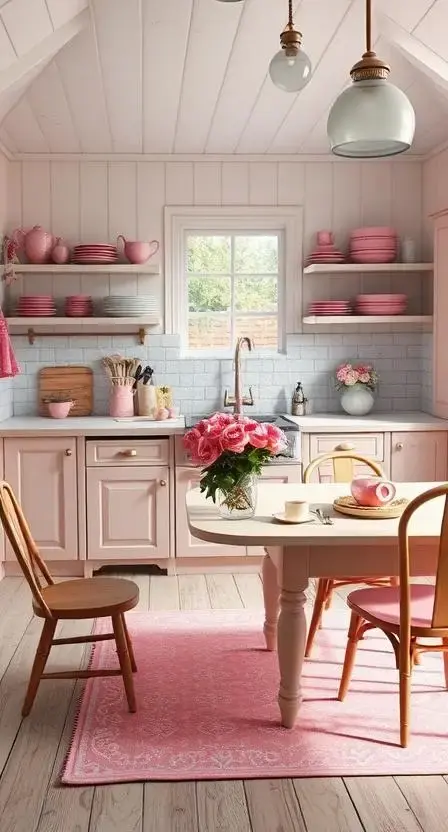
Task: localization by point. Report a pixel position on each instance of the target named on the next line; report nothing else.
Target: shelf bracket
(142, 335)
(31, 335)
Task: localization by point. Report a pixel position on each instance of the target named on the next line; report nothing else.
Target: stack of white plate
(130, 306)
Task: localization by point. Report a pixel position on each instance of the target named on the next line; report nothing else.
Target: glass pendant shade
(371, 118)
(290, 73)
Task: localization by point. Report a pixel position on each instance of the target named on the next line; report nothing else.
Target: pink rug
(206, 694)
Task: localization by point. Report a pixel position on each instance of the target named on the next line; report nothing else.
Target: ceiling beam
(428, 62)
(43, 52)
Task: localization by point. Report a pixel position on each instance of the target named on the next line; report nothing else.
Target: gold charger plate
(347, 505)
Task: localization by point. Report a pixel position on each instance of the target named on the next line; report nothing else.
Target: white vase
(357, 400)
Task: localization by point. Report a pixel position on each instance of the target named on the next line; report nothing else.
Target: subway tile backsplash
(403, 361)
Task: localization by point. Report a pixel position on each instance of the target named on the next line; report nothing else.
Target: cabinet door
(371, 445)
(188, 546)
(128, 513)
(440, 367)
(419, 456)
(276, 474)
(42, 473)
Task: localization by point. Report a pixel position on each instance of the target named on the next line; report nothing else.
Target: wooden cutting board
(76, 382)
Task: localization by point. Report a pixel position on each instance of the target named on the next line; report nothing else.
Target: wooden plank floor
(32, 751)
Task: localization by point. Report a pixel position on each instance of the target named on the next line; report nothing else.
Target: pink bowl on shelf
(374, 231)
(373, 257)
(373, 245)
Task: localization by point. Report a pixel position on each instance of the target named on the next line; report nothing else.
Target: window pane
(256, 254)
(209, 294)
(209, 332)
(208, 254)
(256, 294)
(263, 331)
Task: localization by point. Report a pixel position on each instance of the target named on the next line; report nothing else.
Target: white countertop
(89, 426)
(376, 422)
(262, 530)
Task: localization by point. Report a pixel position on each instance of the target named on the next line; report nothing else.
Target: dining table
(297, 552)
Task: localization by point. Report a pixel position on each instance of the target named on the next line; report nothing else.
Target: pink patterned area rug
(206, 694)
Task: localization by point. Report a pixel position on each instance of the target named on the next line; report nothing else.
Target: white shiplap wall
(97, 200)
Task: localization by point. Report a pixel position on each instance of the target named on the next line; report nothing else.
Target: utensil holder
(146, 400)
(121, 402)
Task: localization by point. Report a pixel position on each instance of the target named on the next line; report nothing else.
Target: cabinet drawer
(117, 452)
(367, 444)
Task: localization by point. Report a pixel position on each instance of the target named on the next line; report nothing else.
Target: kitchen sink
(273, 418)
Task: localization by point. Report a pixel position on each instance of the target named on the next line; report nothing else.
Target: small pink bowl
(59, 410)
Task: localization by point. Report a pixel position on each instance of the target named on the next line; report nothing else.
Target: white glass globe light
(290, 72)
(371, 118)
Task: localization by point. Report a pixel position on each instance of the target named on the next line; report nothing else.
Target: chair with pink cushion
(406, 613)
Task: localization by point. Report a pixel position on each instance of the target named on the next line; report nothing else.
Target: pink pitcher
(372, 491)
(138, 252)
(37, 243)
(61, 253)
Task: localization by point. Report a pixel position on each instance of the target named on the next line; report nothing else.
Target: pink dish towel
(8, 364)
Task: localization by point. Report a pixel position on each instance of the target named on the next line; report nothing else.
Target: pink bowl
(373, 257)
(59, 410)
(374, 231)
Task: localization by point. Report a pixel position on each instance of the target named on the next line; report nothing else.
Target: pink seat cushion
(384, 603)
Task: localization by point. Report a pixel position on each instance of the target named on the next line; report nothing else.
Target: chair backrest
(24, 546)
(440, 609)
(343, 465)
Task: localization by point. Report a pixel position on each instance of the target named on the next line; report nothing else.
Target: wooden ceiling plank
(24, 129)
(49, 104)
(118, 23)
(27, 23)
(61, 11)
(166, 25)
(213, 30)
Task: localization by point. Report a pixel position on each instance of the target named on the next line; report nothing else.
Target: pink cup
(59, 410)
(324, 238)
(372, 491)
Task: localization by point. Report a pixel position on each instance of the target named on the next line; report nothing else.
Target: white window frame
(180, 220)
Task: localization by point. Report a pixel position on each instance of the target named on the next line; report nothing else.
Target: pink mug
(372, 491)
(325, 238)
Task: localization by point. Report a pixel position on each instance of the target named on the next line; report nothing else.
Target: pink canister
(121, 403)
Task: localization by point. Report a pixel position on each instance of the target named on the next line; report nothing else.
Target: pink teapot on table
(372, 491)
(37, 243)
(136, 251)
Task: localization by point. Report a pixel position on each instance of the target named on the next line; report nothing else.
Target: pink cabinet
(43, 474)
(440, 365)
(419, 456)
(186, 545)
(128, 513)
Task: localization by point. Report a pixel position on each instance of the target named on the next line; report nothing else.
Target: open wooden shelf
(328, 320)
(74, 268)
(82, 326)
(357, 268)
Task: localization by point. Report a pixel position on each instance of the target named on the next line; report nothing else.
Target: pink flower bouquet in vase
(357, 383)
(232, 450)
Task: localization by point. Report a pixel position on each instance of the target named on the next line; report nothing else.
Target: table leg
(291, 634)
(271, 595)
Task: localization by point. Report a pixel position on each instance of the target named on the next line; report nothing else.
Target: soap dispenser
(298, 401)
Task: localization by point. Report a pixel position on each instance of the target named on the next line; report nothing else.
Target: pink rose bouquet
(231, 449)
(347, 375)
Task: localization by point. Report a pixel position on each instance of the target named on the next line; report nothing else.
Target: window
(232, 271)
(233, 286)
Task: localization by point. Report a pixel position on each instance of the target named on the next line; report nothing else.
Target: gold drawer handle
(162, 482)
(345, 446)
(68, 452)
(128, 452)
(399, 446)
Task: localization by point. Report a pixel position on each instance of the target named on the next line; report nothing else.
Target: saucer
(282, 519)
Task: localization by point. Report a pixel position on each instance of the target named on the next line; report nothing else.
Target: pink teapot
(37, 243)
(372, 491)
(138, 252)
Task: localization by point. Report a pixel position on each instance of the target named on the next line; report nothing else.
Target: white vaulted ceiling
(190, 76)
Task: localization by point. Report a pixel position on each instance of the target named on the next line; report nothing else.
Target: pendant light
(372, 117)
(290, 69)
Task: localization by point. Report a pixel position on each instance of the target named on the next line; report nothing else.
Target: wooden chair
(405, 613)
(343, 471)
(78, 599)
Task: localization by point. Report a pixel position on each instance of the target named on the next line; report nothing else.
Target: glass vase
(357, 400)
(241, 501)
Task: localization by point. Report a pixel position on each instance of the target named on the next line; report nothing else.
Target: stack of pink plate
(381, 304)
(36, 306)
(374, 245)
(330, 307)
(92, 253)
(78, 306)
(325, 251)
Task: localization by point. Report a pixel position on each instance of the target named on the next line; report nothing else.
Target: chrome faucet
(238, 400)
